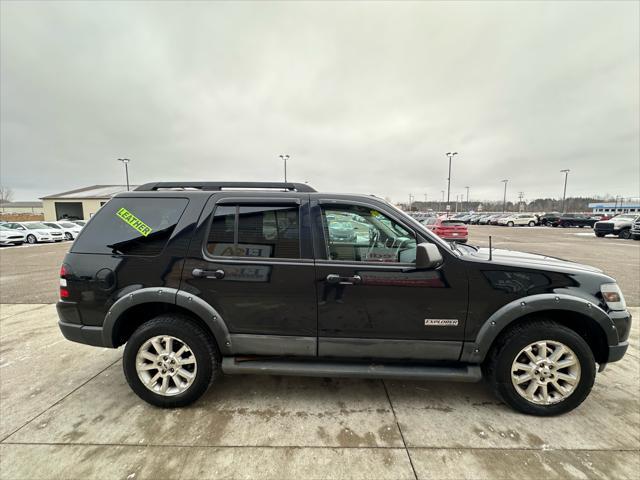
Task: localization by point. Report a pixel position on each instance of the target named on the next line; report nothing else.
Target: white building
(80, 204)
(613, 207)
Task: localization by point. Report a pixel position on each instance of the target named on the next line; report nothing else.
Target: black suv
(199, 279)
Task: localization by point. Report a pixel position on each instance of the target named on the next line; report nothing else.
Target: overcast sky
(365, 97)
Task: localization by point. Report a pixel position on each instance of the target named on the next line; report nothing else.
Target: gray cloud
(365, 97)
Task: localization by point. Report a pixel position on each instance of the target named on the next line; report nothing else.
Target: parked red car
(447, 228)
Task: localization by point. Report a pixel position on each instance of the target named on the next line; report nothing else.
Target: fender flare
(172, 296)
(476, 351)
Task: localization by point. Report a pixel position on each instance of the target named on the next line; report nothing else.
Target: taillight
(64, 292)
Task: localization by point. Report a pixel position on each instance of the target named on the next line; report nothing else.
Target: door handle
(335, 278)
(213, 274)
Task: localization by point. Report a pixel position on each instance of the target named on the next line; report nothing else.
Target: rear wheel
(32, 239)
(532, 223)
(170, 361)
(598, 234)
(541, 368)
(68, 236)
(510, 224)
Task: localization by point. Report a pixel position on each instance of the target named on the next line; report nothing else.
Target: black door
(253, 265)
(372, 302)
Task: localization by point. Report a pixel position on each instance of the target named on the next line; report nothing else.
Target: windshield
(2, 227)
(53, 225)
(35, 226)
(626, 215)
(68, 225)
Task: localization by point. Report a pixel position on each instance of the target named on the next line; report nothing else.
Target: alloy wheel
(166, 365)
(545, 372)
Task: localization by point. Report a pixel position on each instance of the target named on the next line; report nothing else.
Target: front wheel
(68, 236)
(170, 361)
(532, 223)
(32, 239)
(510, 224)
(541, 368)
(626, 234)
(600, 235)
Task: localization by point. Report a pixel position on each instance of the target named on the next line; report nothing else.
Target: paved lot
(66, 411)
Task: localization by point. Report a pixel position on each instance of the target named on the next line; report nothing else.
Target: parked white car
(69, 229)
(37, 232)
(9, 236)
(519, 219)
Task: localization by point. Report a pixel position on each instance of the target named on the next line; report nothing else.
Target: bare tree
(6, 194)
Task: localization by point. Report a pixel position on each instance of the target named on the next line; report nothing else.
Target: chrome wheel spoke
(162, 369)
(547, 376)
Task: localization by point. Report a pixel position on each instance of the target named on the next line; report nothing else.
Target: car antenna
(490, 249)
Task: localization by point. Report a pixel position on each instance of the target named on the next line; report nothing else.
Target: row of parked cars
(454, 228)
(17, 233)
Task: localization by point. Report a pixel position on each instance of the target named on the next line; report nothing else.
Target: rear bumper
(71, 327)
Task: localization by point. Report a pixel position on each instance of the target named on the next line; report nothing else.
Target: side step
(464, 373)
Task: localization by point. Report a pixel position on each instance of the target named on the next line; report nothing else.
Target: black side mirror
(428, 256)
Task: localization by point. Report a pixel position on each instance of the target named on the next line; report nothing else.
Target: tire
(31, 239)
(202, 348)
(625, 234)
(600, 235)
(532, 223)
(509, 346)
(510, 224)
(68, 236)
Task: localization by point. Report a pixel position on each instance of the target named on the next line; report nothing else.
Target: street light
(564, 193)
(285, 158)
(504, 198)
(467, 197)
(442, 205)
(450, 155)
(126, 161)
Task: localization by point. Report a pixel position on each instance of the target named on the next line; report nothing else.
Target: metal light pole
(450, 155)
(467, 197)
(504, 198)
(564, 193)
(410, 202)
(285, 158)
(126, 161)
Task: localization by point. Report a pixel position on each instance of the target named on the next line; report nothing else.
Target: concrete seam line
(311, 447)
(40, 305)
(415, 475)
(58, 401)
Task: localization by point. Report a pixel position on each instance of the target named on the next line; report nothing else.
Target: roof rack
(217, 186)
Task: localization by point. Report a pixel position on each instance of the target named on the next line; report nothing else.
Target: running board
(465, 373)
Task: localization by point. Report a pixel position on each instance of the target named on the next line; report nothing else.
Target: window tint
(131, 226)
(360, 234)
(255, 231)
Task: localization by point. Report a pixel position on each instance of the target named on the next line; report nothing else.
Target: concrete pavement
(67, 412)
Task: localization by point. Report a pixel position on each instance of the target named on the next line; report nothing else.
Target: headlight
(612, 296)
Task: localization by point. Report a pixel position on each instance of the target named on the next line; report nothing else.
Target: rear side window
(255, 231)
(131, 226)
(452, 223)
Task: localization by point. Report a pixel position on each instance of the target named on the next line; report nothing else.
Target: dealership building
(612, 207)
(80, 204)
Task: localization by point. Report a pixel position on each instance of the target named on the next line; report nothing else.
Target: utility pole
(467, 197)
(125, 162)
(410, 202)
(285, 158)
(425, 203)
(520, 205)
(564, 193)
(504, 198)
(442, 204)
(450, 155)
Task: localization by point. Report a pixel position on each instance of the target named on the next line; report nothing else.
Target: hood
(532, 260)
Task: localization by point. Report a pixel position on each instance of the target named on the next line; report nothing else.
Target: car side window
(361, 234)
(255, 231)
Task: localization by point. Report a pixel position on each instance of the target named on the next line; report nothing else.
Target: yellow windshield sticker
(375, 213)
(133, 221)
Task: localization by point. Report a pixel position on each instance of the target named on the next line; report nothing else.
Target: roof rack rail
(217, 186)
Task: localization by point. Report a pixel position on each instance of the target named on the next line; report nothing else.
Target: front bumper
(622, 323)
